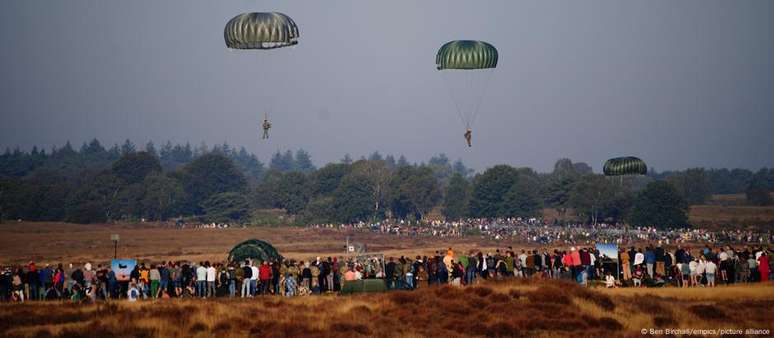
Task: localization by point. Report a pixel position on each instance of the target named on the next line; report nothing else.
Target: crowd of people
(538, 231)
(652, 266)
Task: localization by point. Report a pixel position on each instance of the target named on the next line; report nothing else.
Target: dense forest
(225, 184)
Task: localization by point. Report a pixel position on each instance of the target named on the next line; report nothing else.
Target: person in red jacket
(576, 264)
(763, 266)
(264, 276)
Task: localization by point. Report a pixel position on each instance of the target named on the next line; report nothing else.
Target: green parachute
(260, 31)
(255, 250)
(467, 66)
(466, 54)
(623, 166)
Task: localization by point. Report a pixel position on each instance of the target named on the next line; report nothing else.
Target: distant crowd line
(651, 266)
(537, 231)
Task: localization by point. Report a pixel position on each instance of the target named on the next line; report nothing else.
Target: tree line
(223, 184)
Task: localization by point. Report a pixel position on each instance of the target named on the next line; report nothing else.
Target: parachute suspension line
(468, 91)
(449, 89)
(480, 98)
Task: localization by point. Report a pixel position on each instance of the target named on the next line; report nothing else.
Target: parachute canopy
(467, 67)
(620, 166)
(255, 250)
(466, 54)
(260, 31)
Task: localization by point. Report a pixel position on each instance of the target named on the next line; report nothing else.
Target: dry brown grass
(715, 214)
(495, 309)
(80, 243)
(55, 242)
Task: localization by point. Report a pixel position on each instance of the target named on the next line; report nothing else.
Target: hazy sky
(677, 83)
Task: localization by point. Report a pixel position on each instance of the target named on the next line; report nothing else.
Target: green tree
(226, 207)
(557, 185)
(441, 166)
(282, 162)
(523, 198)
(414, 191)
(692, 184)
(303, 162)
(378, 176)
(325, 180)
(267, 192)
(127, 148)
(292, 192)
(150, 148)
(133, 167)
(659, 205)
(390, 161)
(163, 197)
(459, 168)
(347, 159)
(319, 210)
(375, 156)
(210, 174)
(455, 205)
(249, 164)
(598, 197)
(96, 201)
(489, 190)
(402, 161)
(353, 199)
(758, 194)
(93, 151)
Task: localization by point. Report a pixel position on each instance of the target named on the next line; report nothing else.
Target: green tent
(255, 250)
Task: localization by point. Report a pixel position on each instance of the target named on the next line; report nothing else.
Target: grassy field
(78, 243)
(505, 309)
(513, 308)
(720, 214)
(720, 210)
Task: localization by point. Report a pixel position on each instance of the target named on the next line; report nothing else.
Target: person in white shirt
(523, 258)
(693, 266)
(609, 281)
(710, 268)
(639, 258)
(201, 280)
(724, 262)
(700, 269)
(211, 272)
(253, 280)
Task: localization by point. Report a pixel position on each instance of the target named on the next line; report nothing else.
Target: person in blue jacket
(650, 260)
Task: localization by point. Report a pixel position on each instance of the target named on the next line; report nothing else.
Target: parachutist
(266, 126)
(469, 136)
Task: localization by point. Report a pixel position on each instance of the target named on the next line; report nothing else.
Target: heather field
(531, 308)
(79, 243)
(512, 308)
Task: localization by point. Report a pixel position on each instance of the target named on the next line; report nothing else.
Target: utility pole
(115, 238)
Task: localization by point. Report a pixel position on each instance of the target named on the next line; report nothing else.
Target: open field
(507, 309)
(80, 243)
(721, 209)
(719, 214)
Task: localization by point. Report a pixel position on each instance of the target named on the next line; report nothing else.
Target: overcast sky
(677, 83)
